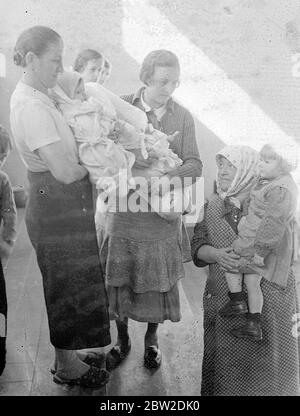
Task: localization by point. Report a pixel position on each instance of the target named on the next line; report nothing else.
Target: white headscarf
(245, 159)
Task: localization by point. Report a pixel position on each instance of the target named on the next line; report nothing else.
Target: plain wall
(251, 41)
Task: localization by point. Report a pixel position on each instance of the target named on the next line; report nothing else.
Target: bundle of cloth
(108, 131)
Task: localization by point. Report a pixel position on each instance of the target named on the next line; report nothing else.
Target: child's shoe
(251, 330)
(233, 308)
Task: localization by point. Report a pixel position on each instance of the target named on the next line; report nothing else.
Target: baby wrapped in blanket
(108, 131)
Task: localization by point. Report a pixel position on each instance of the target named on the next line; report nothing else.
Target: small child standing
(8, 217)
(265, 238)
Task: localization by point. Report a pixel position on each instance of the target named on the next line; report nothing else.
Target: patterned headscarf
(245, 159)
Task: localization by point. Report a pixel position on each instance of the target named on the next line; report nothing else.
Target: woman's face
(45, 68)
(104, 74)
(92, 70)
(226, 173)
(162, 85)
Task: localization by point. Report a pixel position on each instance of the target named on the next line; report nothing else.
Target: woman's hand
(227, 258)
(140, 162)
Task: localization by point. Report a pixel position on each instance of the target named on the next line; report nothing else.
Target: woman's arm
(62, 167)
(41, 137)
(203, 253)
(225, 257)
(273, 224)
(189, 153)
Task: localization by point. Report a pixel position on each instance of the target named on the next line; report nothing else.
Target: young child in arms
(264, 238)
(109, 131)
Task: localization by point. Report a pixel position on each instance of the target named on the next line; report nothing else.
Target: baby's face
(79, 93)
(269, 168)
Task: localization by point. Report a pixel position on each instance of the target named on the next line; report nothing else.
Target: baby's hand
(172, 136)
(258, 260)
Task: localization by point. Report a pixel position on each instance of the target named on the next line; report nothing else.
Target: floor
(30, 353)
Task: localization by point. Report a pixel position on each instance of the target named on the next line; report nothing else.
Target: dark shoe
(251, 330)
(2, 354)
(233, 308)
(116, 355)
(93, 359)
(93, 378)
(152, 357)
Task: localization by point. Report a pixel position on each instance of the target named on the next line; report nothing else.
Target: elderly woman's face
(226, 173)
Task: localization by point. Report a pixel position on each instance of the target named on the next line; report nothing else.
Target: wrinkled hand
(227, 258)
(140, 162)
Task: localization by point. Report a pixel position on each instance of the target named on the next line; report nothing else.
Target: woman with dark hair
(89, 63)
(234, 366)
(142, 253)
(59, 216)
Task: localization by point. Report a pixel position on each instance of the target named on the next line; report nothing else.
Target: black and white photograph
(149, 209)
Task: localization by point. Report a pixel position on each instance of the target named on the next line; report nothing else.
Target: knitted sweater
(267, 229)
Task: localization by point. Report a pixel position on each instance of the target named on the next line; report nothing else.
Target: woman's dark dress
(61, 227)
(239, 367)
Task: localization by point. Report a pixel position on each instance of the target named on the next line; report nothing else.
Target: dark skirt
(142, 256)
(60, 224)
(239, 367)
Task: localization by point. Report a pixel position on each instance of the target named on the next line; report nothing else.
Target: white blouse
(36, 122)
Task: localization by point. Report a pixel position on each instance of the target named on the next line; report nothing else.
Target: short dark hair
(160, 57)
(36, 39)
(5, 143)
(83, 57)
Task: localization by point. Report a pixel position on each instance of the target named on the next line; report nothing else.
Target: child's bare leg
(255, 296)
(236, 304)
(252, 328)
(234, 282)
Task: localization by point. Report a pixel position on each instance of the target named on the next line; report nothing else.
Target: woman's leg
(152, 356)
(69, 365)
(122, 347)
(151, 337)
(123, 335)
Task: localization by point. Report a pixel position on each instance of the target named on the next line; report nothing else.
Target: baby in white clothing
(108, 131)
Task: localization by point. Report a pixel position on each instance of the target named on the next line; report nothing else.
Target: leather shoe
(251, 330)
(93, 378)
(233, 308)
(92, 358)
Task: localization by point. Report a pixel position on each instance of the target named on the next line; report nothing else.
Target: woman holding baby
(251, 341)
(141, 252)
(59, 217)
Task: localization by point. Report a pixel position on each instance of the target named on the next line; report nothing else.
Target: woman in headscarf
(231, 366)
